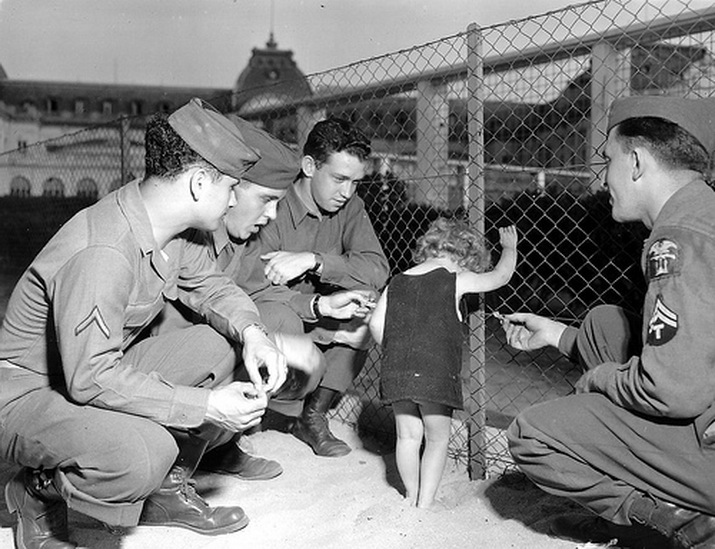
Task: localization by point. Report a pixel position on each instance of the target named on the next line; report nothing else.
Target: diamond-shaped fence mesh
(499, 125)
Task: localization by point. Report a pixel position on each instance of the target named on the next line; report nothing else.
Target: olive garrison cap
(279, 164)
(214, 137)
(696, 116)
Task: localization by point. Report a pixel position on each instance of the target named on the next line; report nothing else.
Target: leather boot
(593, 529)
(312, 426)
(41, 511)
(687, 529)
(176, 503)
(231, 459)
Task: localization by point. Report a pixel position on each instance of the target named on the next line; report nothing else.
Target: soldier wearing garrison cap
(258, 193)
(303, 269)
(100, 417)
(636, 443)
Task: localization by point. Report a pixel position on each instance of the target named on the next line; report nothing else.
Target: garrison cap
(696, 116)
(214, 137)
(279, 164)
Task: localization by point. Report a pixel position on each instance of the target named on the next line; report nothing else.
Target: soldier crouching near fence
(636, 443)
(101, 419)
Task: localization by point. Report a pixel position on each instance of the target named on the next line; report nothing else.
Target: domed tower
(271, 78)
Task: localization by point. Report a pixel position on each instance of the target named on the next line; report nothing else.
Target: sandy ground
(355, 501)
(350, 502)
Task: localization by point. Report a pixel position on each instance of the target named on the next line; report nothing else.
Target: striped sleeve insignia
(94, 318)
(663, 324)
(663, 259)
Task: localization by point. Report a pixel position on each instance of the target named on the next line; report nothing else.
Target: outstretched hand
(348, 304)
(528, 332)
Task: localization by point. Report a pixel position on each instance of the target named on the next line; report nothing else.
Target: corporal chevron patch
(663, 324)
(94, 317)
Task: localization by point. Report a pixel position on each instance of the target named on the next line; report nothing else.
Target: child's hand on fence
(508, 237)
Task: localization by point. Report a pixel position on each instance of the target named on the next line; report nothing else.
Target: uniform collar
(132, 205)
(681, 202)
(220, 239)
(298, 209)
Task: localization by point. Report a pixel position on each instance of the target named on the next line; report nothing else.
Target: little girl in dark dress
(418, 323)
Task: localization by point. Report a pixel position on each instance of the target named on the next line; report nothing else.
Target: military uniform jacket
(345, 240)
(92, 290)
(674, 377)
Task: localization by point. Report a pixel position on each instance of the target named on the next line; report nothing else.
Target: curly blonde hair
(455, 239)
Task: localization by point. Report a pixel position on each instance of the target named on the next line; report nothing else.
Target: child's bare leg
(437, 422)
(407, 452)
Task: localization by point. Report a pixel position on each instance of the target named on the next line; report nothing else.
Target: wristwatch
(315, 308)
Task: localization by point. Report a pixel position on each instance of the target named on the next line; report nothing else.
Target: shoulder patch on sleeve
(95, 317)
(663, 324)
(663, 259)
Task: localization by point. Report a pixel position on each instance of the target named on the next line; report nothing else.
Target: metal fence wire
(497, 125)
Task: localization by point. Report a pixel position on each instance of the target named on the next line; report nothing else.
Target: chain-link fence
(498, 125)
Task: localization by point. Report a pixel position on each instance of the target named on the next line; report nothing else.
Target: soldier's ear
(308, 165)
(637, 158)
(199, 178)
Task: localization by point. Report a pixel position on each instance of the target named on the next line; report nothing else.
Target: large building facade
(67, 139)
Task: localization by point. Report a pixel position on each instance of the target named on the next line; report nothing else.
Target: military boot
(312, 426)
(41, 511)
(231, 459)
(596, 530)
(176, 502)
(686, 528)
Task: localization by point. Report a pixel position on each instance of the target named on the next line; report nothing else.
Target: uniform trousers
(586, 448)
(107, 462)
(343, 362)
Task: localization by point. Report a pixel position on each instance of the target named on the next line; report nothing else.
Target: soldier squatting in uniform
(100, 417)
(636, 443)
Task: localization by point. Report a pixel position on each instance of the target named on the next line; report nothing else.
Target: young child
(418, 323)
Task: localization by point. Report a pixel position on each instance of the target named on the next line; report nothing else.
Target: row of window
(107, 107)
(55, 187)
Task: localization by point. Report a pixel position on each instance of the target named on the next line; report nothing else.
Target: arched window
(53, 187)
(20, 186)
(87, 188)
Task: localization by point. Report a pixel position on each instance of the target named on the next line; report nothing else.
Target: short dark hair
(673, 147)
(336, 135)
(167, 154)
(454, 238)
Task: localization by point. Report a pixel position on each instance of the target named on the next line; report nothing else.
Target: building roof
(270, 72)
(92, 102)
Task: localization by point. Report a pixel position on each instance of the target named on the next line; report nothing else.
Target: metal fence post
(432, 121)
(475, 405)
(607, 83)
(124, 144)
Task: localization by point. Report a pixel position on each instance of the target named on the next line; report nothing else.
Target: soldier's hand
(348, 304)
(282, 267)
(237, 406)
(265, 363)
(528, 332)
